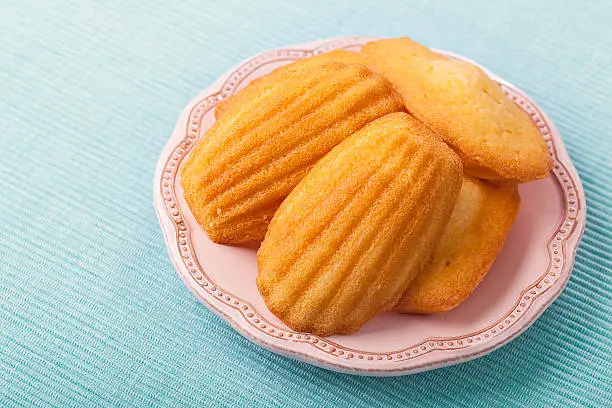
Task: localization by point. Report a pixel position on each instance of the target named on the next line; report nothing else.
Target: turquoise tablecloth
(92, 312)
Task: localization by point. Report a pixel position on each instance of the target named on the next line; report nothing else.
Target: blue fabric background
(91, 310)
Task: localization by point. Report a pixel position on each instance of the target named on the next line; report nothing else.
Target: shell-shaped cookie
(252, 157)
(246, 94)
(493, 136)
(358, 228)
(478, 227)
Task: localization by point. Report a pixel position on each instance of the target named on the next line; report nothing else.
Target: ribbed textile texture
(92, 313)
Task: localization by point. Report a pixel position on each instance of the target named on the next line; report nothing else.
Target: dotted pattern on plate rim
(555, 244)
(229, 87)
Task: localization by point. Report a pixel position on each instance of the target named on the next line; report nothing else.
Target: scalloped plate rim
(312, 355)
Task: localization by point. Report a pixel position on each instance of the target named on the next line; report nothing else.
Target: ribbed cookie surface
(471, 241)
(258, 150)
(355, 231)
(342, 56)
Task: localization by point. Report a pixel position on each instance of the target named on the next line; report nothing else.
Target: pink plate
(529, 274)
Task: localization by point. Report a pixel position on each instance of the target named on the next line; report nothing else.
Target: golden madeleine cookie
(251, 158)
(495, 139)
(474, 236)
(347, 241)
(250, 92)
